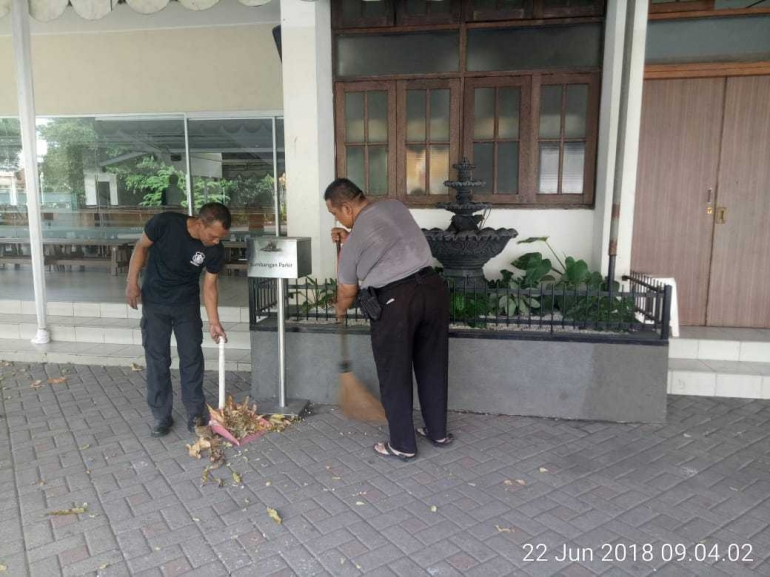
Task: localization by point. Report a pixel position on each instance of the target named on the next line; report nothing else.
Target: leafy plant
(319, 295)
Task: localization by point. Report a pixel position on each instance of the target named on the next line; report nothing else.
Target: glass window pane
(573, 46)
(576, 110)
(482, 158)
(507, 167)
(745, 38)
(351, 10)
(354, 169)
(232, 163)
(574, 164)
(442, 7)
(13, 199)
(374, 9)
(549, 168)
(511, 4)
(439, 169)
(484, 113)
(550, 111)
(378, 170)
(415, 115)
(417, 7)
(439, 114)
(378, 116)
(415, 53)
(508, 120)
(354, 116)
(484, 4)
(415, 170)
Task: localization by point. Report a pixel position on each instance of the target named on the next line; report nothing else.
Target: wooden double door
(702, 211)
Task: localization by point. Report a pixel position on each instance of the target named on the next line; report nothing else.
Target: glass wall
(103, 177)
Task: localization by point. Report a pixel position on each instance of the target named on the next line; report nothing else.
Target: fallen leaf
(57, 380)
(543, 470)
(342, 560)
(268, 483)
(503, 529)
(359, 503)
(196, 519)
(136, 368)
(74, 511)
(274, 515)
(205, 475)
(237, 479)
(156, 548)
(3, 568)
(521, 482)
(36, 384)
(508, 482)
(102, 567)
(84, 447)
(220, 482)
(687, 436)
(433, 508)
(336, 478)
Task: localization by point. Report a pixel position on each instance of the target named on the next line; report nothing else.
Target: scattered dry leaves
(274, 515)
(57, 380)
(73, 511)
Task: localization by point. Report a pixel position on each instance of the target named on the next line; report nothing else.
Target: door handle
(721, 215)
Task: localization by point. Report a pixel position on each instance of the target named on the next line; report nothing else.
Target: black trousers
(158, 321)
(413, 335)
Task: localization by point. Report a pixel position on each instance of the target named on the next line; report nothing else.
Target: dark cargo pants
(158, 321)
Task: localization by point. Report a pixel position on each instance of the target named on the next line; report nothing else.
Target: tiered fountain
(463, 249)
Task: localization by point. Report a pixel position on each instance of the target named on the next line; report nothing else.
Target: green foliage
(318, 295)
(10, 144)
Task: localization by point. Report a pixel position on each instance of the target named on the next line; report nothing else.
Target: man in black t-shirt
(176, 248)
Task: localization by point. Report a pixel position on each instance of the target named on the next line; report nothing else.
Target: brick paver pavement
(625, 499)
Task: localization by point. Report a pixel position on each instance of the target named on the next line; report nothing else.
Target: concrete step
(106, 330)
(717, 344)
(746, 380)
(109, 355)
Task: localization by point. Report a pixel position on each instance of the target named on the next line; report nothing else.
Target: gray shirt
(385, 245)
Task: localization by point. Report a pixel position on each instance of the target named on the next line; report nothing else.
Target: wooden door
(678, 162)
(739, 293)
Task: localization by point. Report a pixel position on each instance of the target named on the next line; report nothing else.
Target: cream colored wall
(225, 68)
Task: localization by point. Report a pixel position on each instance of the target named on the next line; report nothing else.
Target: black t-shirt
(176, 260)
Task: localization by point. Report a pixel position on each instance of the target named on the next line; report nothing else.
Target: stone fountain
(463, 249)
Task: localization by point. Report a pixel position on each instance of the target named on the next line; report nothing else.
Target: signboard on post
(279, 257)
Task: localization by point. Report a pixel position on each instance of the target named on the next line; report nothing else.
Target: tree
(10, 144)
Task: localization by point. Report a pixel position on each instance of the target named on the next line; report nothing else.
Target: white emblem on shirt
(198, 259)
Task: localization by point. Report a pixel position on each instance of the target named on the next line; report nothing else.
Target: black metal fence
(643, 306)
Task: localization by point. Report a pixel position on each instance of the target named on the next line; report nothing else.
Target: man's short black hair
(342, 190)
(216, 212)
(173, 178)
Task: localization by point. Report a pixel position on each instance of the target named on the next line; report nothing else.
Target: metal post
(281, 294)
(190, 203)
(26, 94)
(221, 373)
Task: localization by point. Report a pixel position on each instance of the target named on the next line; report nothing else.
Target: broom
(356, 401)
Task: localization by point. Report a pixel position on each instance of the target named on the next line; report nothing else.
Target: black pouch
(369, 304)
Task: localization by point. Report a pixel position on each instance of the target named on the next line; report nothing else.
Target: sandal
(388, 451)
(423, 432)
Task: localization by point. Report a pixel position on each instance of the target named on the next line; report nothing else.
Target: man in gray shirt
(387, 256)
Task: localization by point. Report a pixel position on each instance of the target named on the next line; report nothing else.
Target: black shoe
(196, 421)
(161, 428)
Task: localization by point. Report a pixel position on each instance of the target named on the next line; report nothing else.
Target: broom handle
(221, 373)
(345, 360)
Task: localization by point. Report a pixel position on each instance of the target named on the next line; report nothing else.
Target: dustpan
(217, 427)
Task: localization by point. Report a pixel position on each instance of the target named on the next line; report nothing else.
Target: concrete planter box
(593, 377)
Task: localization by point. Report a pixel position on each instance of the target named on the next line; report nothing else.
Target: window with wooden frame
(361, 14)
(496, 120)
(566, 125)
(366, 144)
(428, 138)
(664, 6)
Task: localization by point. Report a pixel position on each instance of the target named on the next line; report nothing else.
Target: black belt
(416, 277)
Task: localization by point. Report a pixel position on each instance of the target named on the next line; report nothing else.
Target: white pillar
(629, 123)
(14, 190)
(308, 107)
(612, 69)
(26, 93)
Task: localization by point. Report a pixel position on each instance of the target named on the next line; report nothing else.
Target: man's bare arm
(138, 260)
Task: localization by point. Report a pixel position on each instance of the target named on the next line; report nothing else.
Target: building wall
(175, 64)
